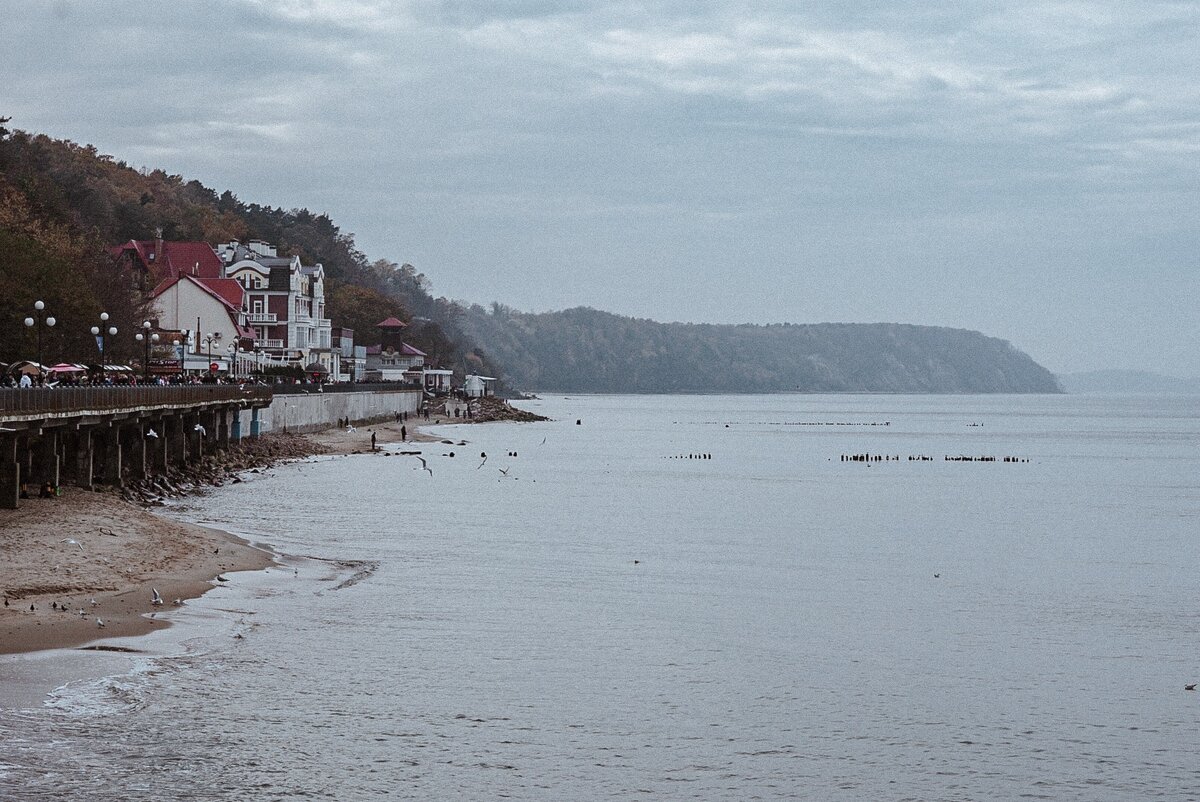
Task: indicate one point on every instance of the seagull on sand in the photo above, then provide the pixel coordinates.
(71, 542)
(221, 578)
(155, 599)
(100, 623)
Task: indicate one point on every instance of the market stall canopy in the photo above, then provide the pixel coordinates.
(25, 366)
(316, 367)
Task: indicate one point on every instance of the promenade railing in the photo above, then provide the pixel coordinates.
(61, 400)
(348, 387)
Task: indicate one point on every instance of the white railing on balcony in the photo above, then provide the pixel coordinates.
(324, 323)
(268, 343)
(263, 317)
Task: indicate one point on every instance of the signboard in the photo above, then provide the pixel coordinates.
(166, 366)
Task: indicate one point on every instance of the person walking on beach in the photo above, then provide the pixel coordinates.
(404, 433)
(372, 441)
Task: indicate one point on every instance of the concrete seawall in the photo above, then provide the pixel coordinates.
(313, 411)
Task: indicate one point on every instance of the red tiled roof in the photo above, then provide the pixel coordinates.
(405, 349)
(225, 290)
(229, 289)
(178, 258)
(391, 323)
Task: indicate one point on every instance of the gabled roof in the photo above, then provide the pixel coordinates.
(225, 290)
(232, 292)
(404, 350)
(391, 323)
(178, 258)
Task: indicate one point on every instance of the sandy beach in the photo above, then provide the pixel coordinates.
(62, 554)
(84, 557)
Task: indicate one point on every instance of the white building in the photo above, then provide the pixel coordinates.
(285, 303)
(210, 315)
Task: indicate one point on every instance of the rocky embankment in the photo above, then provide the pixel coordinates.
(221, 467)
(491, 408)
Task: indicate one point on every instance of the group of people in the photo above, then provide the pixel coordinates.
(29, 380)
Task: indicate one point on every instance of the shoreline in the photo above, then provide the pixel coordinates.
(110, 546)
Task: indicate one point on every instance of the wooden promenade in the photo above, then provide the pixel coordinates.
(113, 435)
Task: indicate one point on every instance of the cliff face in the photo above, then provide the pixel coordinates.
(583, 350)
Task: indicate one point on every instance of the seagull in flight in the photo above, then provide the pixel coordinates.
(484, 455)
(71, 542)
(151, 433)
(156, 599)
(201, 429)
(424, 464)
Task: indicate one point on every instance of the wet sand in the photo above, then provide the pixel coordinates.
(121, 552)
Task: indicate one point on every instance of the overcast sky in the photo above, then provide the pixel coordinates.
(1027, 169)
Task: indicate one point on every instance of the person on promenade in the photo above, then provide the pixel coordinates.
(25, 381)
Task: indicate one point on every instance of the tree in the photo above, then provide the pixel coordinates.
(361, 309)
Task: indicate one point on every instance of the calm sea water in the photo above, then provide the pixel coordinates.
(601, 616)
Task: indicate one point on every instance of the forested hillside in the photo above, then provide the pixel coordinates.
(62, 204)
(583, 350)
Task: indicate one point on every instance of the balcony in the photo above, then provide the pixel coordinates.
(263, 317)
(268, 343)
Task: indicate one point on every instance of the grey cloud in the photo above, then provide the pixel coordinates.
(989, 165)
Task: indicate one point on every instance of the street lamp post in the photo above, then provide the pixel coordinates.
(179, 353)
(209, 339)
(41, 319)
(146, 338)
(103, 333)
